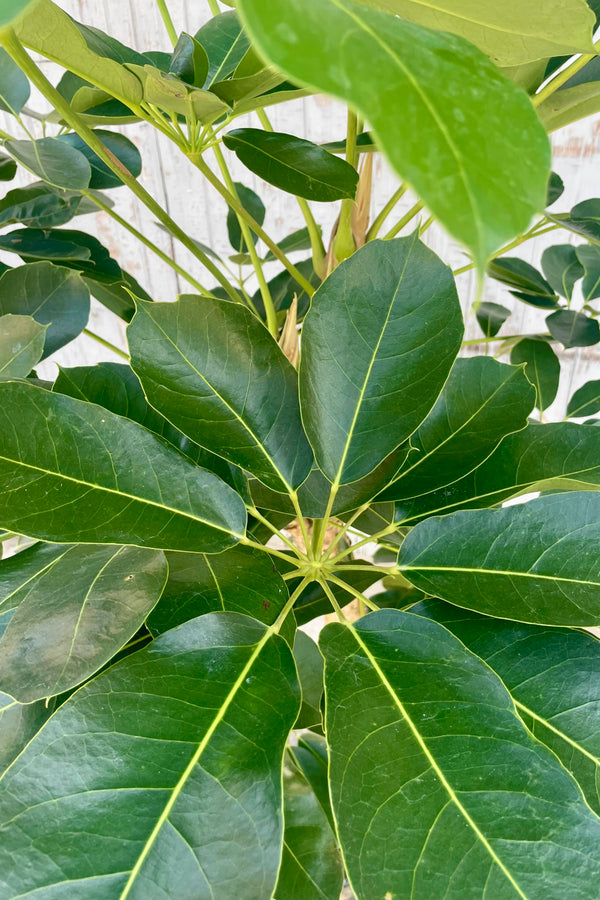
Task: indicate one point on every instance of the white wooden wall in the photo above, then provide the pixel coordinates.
(195, 206)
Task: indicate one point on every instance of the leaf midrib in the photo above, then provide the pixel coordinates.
(502, 572)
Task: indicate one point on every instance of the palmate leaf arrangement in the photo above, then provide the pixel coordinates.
(445, 743)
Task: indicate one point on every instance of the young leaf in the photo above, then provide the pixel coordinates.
(529, 284)
(14, 86)
(120, 146)
(55, 296)
(534, 562)
(482, 401)
(213, 370)
(427, 736)
(72, 471)
(480, 130)
(585, 401)
(293, 164)
(541, 367)
(553, 676)
(189, 61)
(573, 329)
(225, 43)
(75, 615)
(491, 317)
(252, 204)
(199, 744)
(13, 10)
(562, 268)
(395, 304)
(21, 345)
(510, 33)
(53, 161)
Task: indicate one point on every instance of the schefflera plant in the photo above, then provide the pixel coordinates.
(453, 751)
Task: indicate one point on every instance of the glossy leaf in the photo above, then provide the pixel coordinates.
(562, 268)
(556, 188)
(553, 677)
(311, 757)
(189, 61)
(120, 146)
(8, 168)
(214, 371)
(585, 401)
(309, 664)
(534, 562)
(39, 206)
(75, 615)
(479, 129)
(53, 161)
(511, 33)
(589, 258)
(297, 240)
(293, 164)
(426, 735)
(73, 471)
(357, 407)
(482, 401)
(18, 724)
(14, 86)
(225, 43)
(197, 782)
(175, 97)
(284, 288)
(55, 296)
(252, 204)
(527, 283)
(573, 329)
(491, 317)
(583, 219)
(311, 863)
(21, 345)
(541, 367)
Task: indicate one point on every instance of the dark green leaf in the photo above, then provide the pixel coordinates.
(585, 401)
(556, 188)
(534, 562)
(189, 61)
(311, 863)
(72, 471)
(541, 367)
(8, 168)
(297, 240)
(479, 128)
(35, 243)
(183, 747)
(309, 664)
(213, 370)
(39, 206)
(14, 86)
(53, 161)
(589, 257)
(529, 284)
(404, 333)
(311, 757)
(75, 615)
(121, 147)
(553, 676)
(225, 43)
(293, 164)
(573, 329)
(55, 296)
(284, 287)
(364, 141)
(482, 401)
(491, 317)
(18, 724)
(21, 345)
(583, 219)
(252, 204)
(562, 268)
(426, 736)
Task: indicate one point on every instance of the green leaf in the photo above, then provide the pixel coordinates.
(480, 130)
(21, 345)
(214, 371)
(72, 471)
(199, 743)
(531, 287)
(225, 43)
(18, 724)
(510, 34)
(556, 188)
(357, 407)
(311, 757)
(53, 161)
(237, 90)
(562, 267)
(311, 863)
(293, 164)
(309, 664)
(552, 675)
(189, 61)
(252, 204)
(534, 562)
(573, 329)
(297, 240)
(38, 205)
(14, 86)
(240, 580)
(284, 287)
(585, 401)
(482, 401)
(589, 258)
(75, 615)
(561, 456)
(567, 106)
(13, 10)
(55, 296)
(121, 147)
(541, 367)
(426, 737)
(491, 317)
(8, 168)
(583, 219)
(37, 243)
(175, 97)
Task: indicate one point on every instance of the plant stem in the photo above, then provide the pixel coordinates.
(146, 241)
(345, 528)
(331, 597)
(370, 539)
(247, 542)
(105, 343)
(214, 7)
(412, 212)
(168, 21)
(355, 593)
(237, 207)
(538, 229)
(15, 49)
(382, 216)
(275, 531)
(506, 337)
(305, 536)
(563, 76)
(344, 244)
